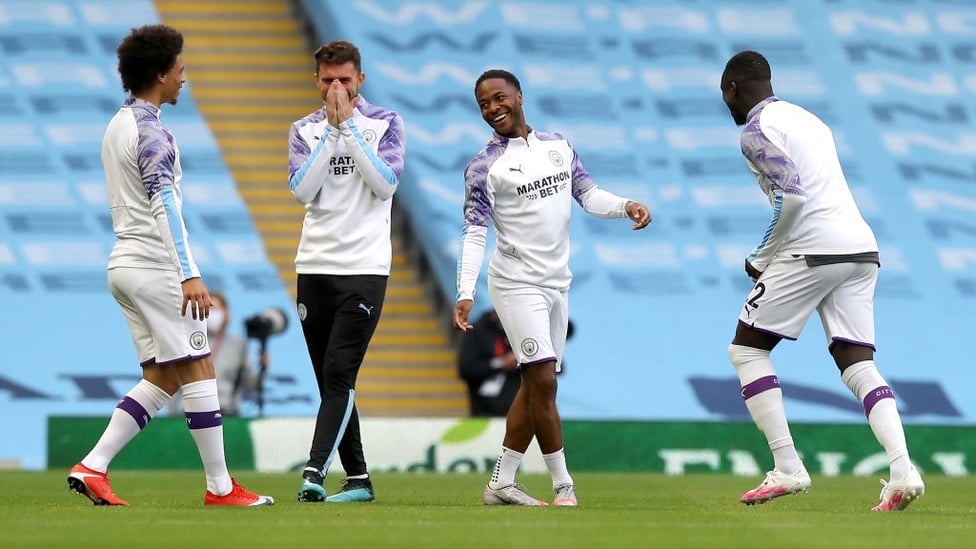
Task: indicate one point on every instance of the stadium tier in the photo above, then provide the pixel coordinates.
(65, 345)
(635, 87)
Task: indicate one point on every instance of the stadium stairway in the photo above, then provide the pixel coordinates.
(250, 72)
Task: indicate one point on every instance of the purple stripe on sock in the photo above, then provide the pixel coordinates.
(760, 385)
(203, 420)
(875, 396)
(130, 406)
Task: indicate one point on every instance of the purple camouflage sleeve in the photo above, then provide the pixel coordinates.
(393, 144)
(157, 153)
(299, 149)
(581, 178)
(477, 205)
(769, 159)
(392, 147)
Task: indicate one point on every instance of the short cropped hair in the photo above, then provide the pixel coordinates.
(338, 52)
(498, 73)
(146, 53)
(748, 65)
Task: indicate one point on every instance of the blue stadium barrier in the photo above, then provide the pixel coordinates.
(634, 86)
(66, 348)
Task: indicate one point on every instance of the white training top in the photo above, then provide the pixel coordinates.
(793, 156)
(525, 186)
(346, 178)
(142, 173)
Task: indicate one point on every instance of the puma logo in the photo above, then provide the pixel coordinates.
(518, 169)
(367, 308)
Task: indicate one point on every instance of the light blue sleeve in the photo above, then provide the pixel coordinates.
(156, 157)
(380, 170)
(308, 168)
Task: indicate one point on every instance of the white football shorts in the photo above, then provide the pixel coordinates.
(789, 291)
(151, 300)
(535, 320)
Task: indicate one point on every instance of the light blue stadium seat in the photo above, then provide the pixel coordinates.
(634, 86)
(58, 90)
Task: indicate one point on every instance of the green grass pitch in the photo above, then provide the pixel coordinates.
(434, 511)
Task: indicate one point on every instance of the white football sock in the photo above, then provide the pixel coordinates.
(505, 468)
(764, 400)
(872, 390)
(202, 411)
(130, 416)
(556, 462)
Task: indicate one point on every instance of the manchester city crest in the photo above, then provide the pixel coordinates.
(530, 347)
(302, 312)
(555, 158)
(369, 136)
(198, 340)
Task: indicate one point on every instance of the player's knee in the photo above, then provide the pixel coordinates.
(544, 383)
(338, 386)
(740, 355)
(164, 377)
(540, 379)
(847, 354)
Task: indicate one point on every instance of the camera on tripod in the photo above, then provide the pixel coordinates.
(269, 322)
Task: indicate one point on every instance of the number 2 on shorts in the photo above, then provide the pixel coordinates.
(759, 290)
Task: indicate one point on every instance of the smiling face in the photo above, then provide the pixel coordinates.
(172, 82)
(347, 75)
(501, 107)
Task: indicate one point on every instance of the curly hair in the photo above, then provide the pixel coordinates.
(338, 52)
(146, 53)
(498, 73)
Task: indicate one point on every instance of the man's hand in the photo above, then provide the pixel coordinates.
(753, 273)
(638, 213)
(332, 103)
(196, 296)
(343, 108)
(460, 316)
